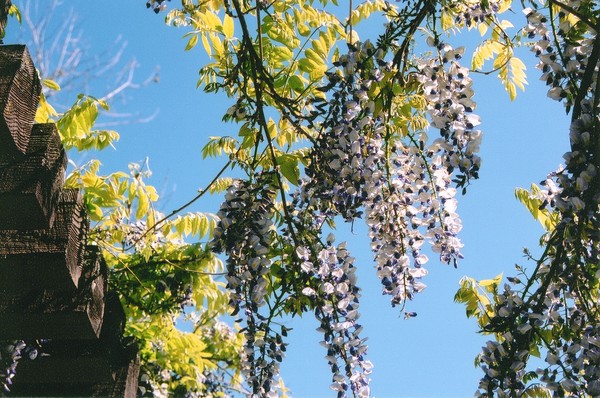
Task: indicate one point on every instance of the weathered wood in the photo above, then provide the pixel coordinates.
(114, 319)
(30, 185)
(19, 97)
(53, 287)
(93, 285)
(89, 374)
(71, 324)
(68, 362)
(125, 357)
(105, 367)
(51, 258)
(50, 314)
(126, 378)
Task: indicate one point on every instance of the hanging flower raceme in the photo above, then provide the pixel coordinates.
(347, 158)
(245, 233)
(416, 206)
(559, 302)
(326, 276)
(402, 182)
(563, 53)
(336, 296)
(447, 88)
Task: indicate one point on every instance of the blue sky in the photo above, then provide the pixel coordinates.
(428, 356)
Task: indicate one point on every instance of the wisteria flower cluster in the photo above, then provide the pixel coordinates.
(416, 206)
(447, 87)
(361, 164)
(348, 157)
(11, 352)
(470, 13)
(328, 280)
(337, 300)
(563, 63)
(403, 183)
(245, 233)
(554, 305)
(368, 160)
(570, 69)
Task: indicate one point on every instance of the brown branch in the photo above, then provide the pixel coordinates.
(200, 194)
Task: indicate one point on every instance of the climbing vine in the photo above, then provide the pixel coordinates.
(337, 128)
(331, 128)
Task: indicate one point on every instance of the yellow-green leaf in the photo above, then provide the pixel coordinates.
(228, 26)
(272, 128)
(192, 42)
(288, 165)
(206, 45)
(51, 84)
(143, 204)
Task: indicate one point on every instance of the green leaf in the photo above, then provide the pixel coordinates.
(45, 113)
(228, 26)
(288, 165)
(14, 11)
(206, 45)
(143, 203)
(537, 391)
(51, 84)
(296, 84)
(534, 205)
(191, 42)
(271, 128)
(94, 211)
(491, 285)
(221, 185)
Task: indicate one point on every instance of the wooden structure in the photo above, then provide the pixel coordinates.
(53, 286)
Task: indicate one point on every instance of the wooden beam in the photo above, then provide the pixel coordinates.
(50, 314)
(19, 97)
(104, 367)
(50, 258)
(92, 373)
(30, 185)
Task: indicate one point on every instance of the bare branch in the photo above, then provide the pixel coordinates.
(61, 54)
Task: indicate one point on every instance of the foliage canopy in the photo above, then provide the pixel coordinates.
(332, 128)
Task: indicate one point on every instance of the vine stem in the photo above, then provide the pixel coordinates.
(587, 78)
(257, 67)
(351, 33)
(183, 207)
(571, 10)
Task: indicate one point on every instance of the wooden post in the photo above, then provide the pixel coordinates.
(105, 367)
(53, 286)
(19, 97)
(46, 313)
(30, 185)
(50, 258)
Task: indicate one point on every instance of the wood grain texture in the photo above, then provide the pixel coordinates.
(56, 255)
(53, 286)
(47, 313)
(82, 369)
(91, 373)
(30, 184)
(91, 368)
(19, 97)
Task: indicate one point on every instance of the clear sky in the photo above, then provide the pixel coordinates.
(428, 356)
